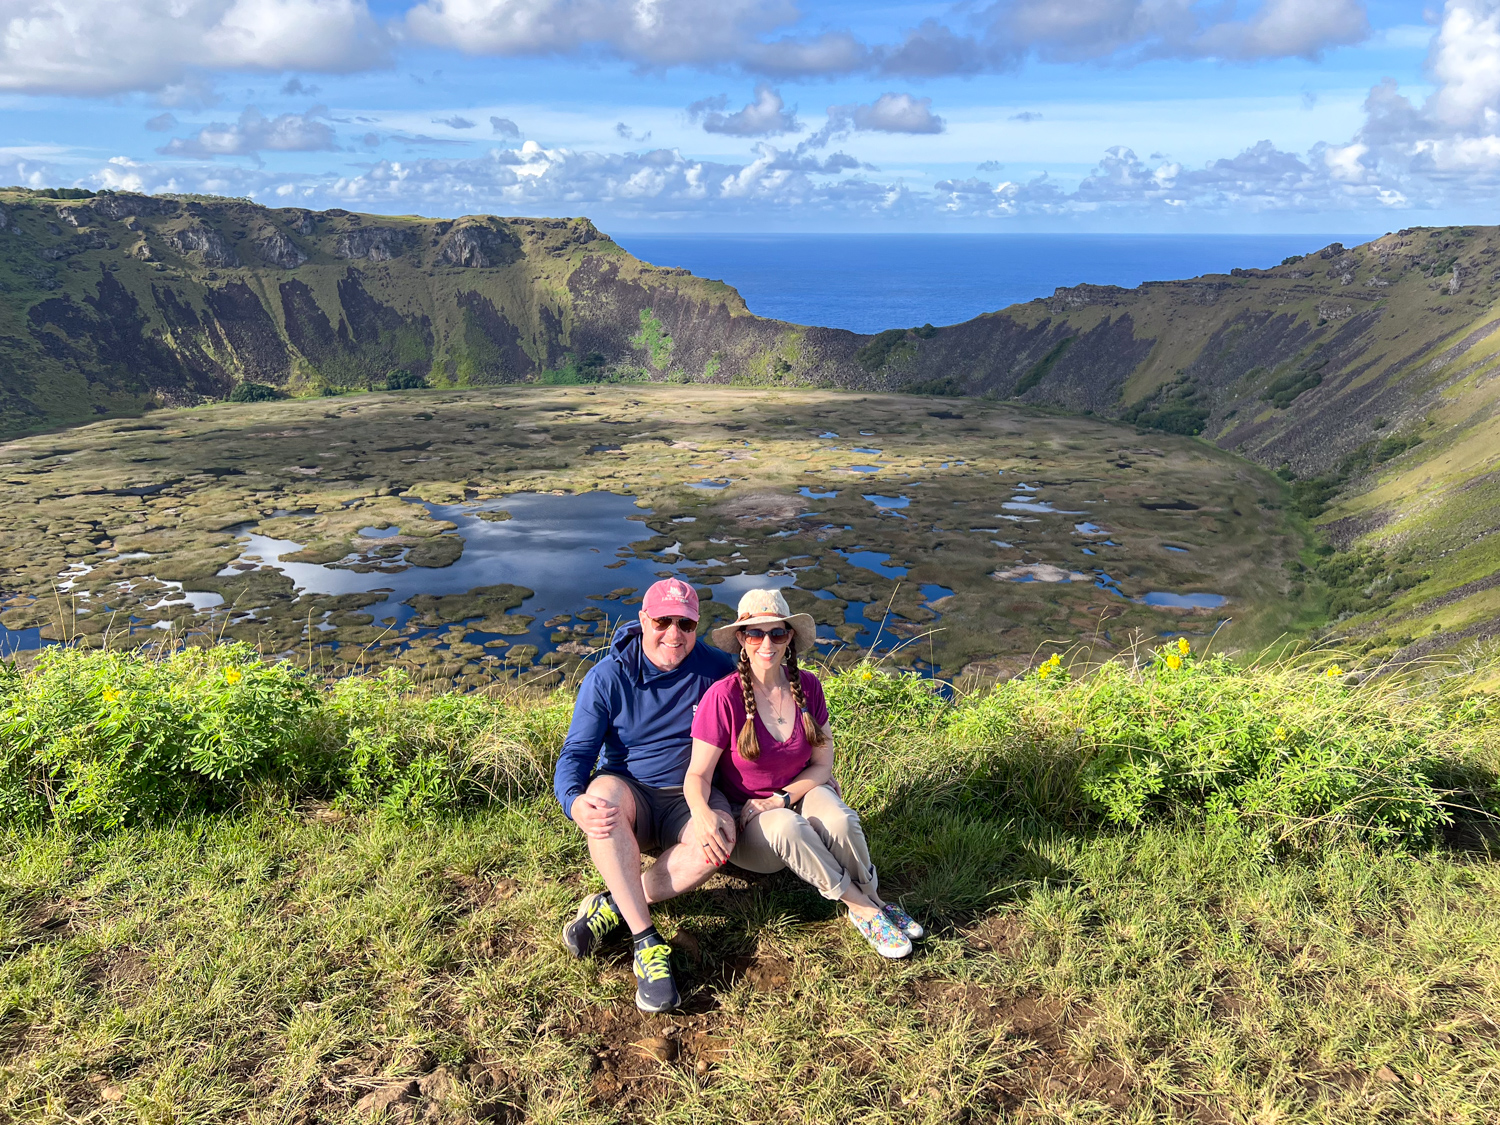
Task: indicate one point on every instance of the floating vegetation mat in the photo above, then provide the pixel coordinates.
(504, 532)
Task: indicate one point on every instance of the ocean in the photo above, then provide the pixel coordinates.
(867, 283)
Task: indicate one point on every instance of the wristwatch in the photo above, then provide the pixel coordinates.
(786, 798)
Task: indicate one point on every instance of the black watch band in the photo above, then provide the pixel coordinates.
(786, 798)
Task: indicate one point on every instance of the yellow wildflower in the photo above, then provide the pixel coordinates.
(867, 675)
(1333, 671)
(233, 676)
(1055, 660)
(1183, 646)
(1041, 673)
(1281, 734)
(1174, 662)
(111, 695)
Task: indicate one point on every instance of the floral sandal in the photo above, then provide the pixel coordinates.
(882, 936)
(903, 921)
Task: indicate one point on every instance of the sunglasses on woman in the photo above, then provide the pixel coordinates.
(778, 635)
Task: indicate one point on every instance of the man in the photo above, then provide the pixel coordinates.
(620, 780)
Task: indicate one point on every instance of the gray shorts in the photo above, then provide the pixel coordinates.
(662, 812)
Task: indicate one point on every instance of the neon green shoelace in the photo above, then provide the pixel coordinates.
(601, 921)
(655, 962)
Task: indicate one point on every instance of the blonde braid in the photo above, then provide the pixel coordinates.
(748, 745)
(811, 729)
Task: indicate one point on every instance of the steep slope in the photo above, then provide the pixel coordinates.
(114, 303)
(1298, 365)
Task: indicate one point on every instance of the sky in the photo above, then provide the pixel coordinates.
(775, 115)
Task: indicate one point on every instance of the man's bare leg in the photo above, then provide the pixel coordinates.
(679, 869)
(618, 856)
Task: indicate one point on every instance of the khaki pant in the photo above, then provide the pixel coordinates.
(819, 838)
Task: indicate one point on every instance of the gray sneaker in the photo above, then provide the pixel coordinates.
(655, 990)
(595, 920)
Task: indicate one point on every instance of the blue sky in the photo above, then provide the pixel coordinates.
(751, 115)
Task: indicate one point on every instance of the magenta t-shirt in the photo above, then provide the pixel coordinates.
(717, 721)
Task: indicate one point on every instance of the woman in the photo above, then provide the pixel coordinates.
(765, 727)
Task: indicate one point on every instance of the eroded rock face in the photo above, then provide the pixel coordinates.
(377, 244)
(280, 251)
(125, 205)
(206, 242)
(477, 247)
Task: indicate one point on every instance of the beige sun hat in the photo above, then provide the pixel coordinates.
(766, 607)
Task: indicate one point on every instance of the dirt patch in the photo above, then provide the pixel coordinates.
(633, 1054)
(1042, 1021)
(1004, 934)
(119, 970)
(45, 921)
(475, 891)
(1040, 1029)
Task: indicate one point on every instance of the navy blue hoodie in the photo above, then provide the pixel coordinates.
(632, 718)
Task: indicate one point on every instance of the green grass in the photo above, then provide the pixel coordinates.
(1192, 955)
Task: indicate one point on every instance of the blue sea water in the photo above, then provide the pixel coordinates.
(870, 282)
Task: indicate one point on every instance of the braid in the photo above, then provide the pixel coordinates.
(811, 729)
(748, 745)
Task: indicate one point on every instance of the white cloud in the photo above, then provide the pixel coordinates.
(454, 122)
(1132, 29)
(766, 116)
(889, 113)
(657, 33)
(1439, 151)
(161, 123)
(505, 127)
(253, 133)
(92, 47)
(1450, 144)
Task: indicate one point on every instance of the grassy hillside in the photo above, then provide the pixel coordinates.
(1166, 889)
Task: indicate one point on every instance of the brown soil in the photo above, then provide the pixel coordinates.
(1000, 933)
(1041, 1030)
(632, 1052)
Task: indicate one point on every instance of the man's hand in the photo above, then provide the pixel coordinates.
(753, 809)
(715, 834)
(595, 816)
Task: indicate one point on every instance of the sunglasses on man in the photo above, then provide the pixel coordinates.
(686, 624)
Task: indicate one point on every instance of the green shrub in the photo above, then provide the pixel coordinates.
(104, 739)
(1291, 751)
(403, 380)
(253, 392)
(1281, 392)
(1178, 407)
(654, 339)
(882, 348)
(110, 738)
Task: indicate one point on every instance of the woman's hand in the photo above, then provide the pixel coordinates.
(715, 836)
(754, 808)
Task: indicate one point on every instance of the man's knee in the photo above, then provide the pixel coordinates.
(616, 792)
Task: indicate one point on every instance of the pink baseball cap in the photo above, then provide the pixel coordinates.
(671, 597)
